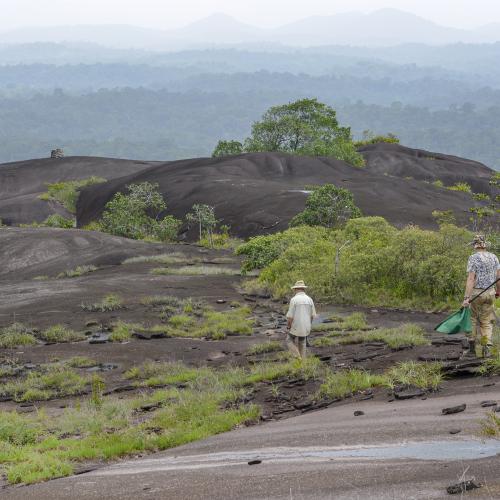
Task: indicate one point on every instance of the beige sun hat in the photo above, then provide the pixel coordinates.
(299, 284)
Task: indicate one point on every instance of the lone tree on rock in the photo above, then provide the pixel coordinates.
(304, 127)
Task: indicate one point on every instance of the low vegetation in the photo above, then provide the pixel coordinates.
(122, 332)
(368, 262)
(16, 335)
(77, 271)
(197, 271)
(410, 373)
(348, 382)
(264, 348)
(407, 373)
(60, 334)
(111, 302)
(138, 215)
(491, 425)
(165, 258)
(48, 382)
(67, 192)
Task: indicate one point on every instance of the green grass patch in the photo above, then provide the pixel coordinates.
(165, 258)
(154, 374)
(60, 334)
(50, 382)
(201, 270)
(405, 335)
(264, 348)
(162, 300)
(410, 373)
(81, 362)
(111, 302)
(122, 331)
(354, 322)
(16, 335)
(67, 192)
(78, 271)
(348, 382)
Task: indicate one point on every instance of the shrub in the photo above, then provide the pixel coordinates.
(57, 220)
(327, 206)
(370, 138)
(380, 265)
(136, 215)
(438, 183)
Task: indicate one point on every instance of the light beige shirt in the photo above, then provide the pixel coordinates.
(302, 311)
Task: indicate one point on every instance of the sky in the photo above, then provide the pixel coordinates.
(168, 14)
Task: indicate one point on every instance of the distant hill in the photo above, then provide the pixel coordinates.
(378, 28)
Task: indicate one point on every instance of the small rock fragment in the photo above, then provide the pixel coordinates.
(454, 409)
(220, 301)
(254, 462)
(358, 413)
(455, 431)
(487, 404)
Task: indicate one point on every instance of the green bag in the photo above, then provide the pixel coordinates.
(456, 323)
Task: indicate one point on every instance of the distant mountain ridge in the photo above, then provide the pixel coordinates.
(379, 28)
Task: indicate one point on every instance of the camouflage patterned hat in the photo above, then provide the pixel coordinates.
(479, 241)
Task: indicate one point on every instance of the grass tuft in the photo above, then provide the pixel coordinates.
(78, 271)
(197, 271)
(60, 334)
(410, 373)
(266, 347)
(111, 302)
(348, 382)
(16, 335)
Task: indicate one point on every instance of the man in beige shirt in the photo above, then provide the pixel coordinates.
(299, 320)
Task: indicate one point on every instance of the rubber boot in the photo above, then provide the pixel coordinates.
(471, 352)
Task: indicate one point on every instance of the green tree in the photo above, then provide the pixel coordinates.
(227, 148)
(327, 206)
(204, 217)
(303, 127)
(137, 215)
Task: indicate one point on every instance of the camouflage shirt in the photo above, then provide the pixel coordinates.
(484, 265)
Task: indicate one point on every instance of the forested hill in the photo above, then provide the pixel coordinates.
(94, 100)
(162, 125)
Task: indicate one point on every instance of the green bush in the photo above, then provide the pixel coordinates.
(137, 215)
(327, 206)
(460, 186)
(57, 220)
(370, 138)
(379, 264)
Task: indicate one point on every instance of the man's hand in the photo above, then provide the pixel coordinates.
(466, 303)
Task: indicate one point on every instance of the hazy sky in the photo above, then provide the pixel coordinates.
(174, 13)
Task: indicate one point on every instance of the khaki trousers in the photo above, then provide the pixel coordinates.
(483, 316)
(296, 345)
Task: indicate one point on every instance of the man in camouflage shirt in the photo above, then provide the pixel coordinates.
(483, 269)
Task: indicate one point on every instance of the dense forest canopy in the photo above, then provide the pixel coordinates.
(137, 104)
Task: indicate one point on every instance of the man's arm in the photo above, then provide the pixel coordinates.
(471, 279)
(290, 314)
(498, 283)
